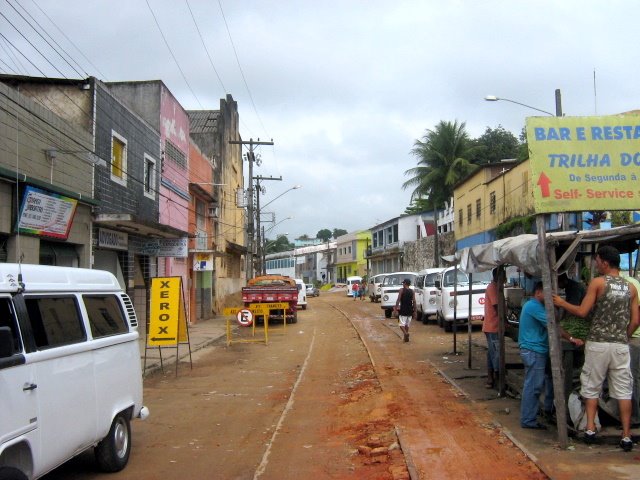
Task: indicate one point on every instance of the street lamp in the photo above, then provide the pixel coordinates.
(295, 187)
(493, 98)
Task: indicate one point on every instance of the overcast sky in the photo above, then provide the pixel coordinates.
(344, 88)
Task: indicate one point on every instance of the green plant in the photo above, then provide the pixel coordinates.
(515, 226)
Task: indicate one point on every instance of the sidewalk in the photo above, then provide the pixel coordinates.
(578, 461)
(201, 335)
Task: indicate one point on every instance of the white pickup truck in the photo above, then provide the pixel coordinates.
(453, 296)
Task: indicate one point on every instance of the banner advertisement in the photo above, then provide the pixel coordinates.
(46, 213)
(584, 163)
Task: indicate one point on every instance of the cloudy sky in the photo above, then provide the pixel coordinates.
(344, 88)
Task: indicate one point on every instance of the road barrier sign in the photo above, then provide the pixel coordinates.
(245, 317)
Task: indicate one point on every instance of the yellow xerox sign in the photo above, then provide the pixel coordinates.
(585, 163)
(167, 316)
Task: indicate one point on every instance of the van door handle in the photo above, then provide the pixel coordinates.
(29, 386)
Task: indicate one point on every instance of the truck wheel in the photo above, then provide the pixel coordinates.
(387, 313)
(10, 473)
(112, 453)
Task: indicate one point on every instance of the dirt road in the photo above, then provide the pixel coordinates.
(337, 395)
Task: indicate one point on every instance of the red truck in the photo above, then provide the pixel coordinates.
(273, 289)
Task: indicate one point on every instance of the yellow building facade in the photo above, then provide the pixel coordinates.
(490, 197)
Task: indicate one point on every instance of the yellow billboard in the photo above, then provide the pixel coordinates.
(584, 163)
(167, 316)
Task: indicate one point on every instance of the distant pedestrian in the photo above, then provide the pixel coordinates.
(406, 307)
(362, 291)
(355, 288)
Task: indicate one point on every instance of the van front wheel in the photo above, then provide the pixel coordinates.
(112, 453)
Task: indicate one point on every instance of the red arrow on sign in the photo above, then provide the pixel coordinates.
(544, 182)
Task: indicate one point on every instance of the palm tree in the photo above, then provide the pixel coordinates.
(443, 159)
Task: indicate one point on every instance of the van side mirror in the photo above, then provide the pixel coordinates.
(6, 342)
(437, 284)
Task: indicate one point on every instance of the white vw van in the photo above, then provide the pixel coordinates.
(453, 297)
(70, 375)
(350, 282)
(426, 293)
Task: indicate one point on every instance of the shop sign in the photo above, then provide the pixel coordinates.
(45, 213)
(112, 239)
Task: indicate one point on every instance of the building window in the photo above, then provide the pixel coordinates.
(460, 217)
(375, 239)
(478, 208)
(469, 214)
(149, 176)
(172, 153)
(118, 158)
(395, 233)
(492, 203)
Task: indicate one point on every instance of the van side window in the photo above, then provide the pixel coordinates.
(55, 321)
(105, 315)
(8, 319)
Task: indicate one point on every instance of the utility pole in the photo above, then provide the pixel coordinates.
(259, 246)
(251, 157)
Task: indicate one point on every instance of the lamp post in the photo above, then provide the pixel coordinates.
(554, 339)
(493, 98)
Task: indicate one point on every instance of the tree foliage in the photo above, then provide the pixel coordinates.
(280, 244)
(494, 145)
(324, 234)
(337, 232)
(444, 157)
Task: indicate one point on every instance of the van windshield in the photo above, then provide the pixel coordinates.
(479, 277)
(391, 280)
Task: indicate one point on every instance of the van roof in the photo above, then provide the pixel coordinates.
(44, 278)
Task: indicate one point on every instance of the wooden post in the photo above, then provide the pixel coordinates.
(555, 350)
(502, 381)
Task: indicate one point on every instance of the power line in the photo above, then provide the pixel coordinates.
(253, 104)
(205, 47)
(172, 55)
(43, 38)
(69, 40)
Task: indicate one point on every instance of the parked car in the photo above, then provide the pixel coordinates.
(374, 287)
(312, 290)
(453, 297)
(302, 294)
(391, 285)
(426, 293)
(69, 369)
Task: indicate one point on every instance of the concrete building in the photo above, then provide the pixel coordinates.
(351, 255)
(390, 237)
(212, 131)
(46, 187)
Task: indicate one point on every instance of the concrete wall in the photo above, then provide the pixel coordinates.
(419, 255)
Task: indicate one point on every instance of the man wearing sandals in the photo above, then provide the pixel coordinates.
(614, 319)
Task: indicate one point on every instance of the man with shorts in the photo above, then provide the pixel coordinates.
(614, 319)
(406, 307)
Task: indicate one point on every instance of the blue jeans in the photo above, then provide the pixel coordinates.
(493, 351)
(534, 380)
